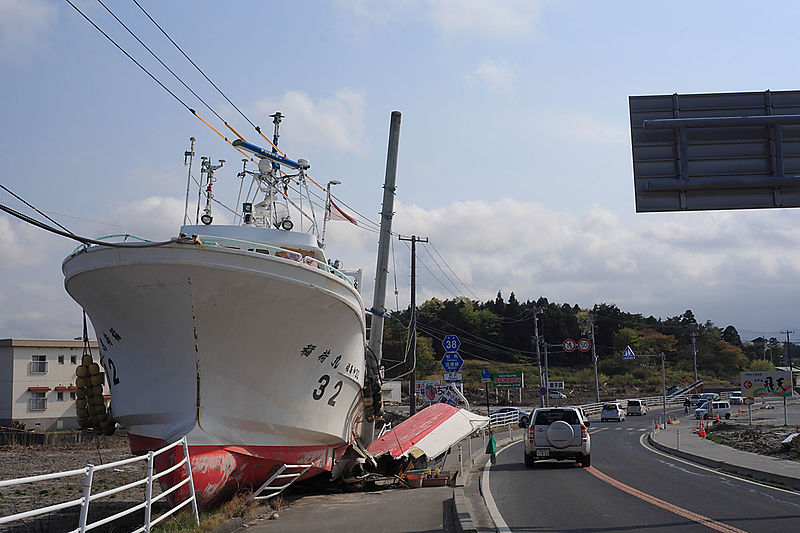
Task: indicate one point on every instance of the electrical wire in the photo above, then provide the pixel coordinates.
(451, 270)
(12, 193)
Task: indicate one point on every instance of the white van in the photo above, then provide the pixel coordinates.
(721, 409)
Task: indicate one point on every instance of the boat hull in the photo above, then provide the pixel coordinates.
(234, 349)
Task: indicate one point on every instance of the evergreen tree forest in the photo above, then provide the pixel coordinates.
(502, 331)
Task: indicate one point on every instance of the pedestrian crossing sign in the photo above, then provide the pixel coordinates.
(628, 353)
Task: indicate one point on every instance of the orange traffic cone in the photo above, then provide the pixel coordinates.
(677, 420)
(669, 421)
(655, 423)
(717, 419)
(740, 410)
(702, 432)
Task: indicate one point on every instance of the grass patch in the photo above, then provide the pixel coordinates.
(715, 438)
(209, 520)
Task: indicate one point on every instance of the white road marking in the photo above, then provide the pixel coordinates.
(707, 469)
(494, 512)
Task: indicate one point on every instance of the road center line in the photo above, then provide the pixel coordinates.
(592, 432)
(680, 511)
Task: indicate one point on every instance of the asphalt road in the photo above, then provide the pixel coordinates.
(631, 488)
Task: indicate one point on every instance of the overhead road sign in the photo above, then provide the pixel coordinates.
(568, 345)
(628, 353)
(452, 362)
(696, 152)
(451, 343)
(584, 345)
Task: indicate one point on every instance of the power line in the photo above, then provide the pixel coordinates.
(453, 271)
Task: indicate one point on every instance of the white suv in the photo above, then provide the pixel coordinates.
(636, 407)
(721, 409)
(557, 433)
(612, 411)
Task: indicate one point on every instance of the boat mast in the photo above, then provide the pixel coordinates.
(381, 270)
(188, 157)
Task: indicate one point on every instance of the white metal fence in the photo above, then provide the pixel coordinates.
(88, 472)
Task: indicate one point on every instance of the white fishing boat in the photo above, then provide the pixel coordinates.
(245, 337)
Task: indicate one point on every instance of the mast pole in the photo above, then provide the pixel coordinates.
(382, 267)
(188, 157)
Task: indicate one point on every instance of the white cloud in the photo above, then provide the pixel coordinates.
(660, 265)
(156, 217)
(22, 245)
(590, 129)
(506, 19)
(497, 76)
(335, 122)
(22, 24)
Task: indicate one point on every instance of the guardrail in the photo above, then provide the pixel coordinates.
(84, 501)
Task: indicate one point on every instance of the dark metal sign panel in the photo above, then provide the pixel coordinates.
(695, 152)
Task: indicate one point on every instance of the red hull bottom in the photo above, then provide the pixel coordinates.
(220, 471)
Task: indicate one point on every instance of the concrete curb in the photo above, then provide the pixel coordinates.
(731, 468)
(463, 520)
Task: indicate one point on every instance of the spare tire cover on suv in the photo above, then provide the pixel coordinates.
(560, 434)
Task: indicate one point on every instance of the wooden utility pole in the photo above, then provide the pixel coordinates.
(412, 328)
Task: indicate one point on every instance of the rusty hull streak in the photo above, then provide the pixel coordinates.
(197, 355)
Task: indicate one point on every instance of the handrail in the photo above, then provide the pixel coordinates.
(125, 235)
(211, 240)
(88, 473)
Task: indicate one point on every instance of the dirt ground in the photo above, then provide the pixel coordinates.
(22, 461)
(761, 439)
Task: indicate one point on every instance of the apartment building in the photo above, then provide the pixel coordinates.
(37, 382)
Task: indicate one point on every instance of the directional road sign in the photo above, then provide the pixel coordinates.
(452, 361)
(451, 343)
(584, 345)
(453, 377)
(628, 353)
(569, 345)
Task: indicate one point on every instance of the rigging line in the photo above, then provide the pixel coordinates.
(440, 267)
(86, 240)
(12, 193)
(130, 57)
(176, 97)
(257, 128)
(451, 270)
(165, 65)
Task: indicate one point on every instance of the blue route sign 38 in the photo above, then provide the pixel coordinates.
(451, 343)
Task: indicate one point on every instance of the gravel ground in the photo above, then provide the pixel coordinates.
(23, 461)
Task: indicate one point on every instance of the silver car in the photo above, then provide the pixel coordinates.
(558, 433)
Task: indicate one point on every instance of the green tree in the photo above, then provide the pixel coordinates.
(760, 365)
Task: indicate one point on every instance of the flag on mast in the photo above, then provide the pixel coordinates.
(334, 212)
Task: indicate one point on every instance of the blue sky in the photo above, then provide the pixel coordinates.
(514, 153)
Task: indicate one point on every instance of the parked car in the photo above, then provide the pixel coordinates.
(506, 413)
(557, 395)
(736, 398)
(636, 407)
(558, 433)
(721, 409)
(612, 411)
(695, 400)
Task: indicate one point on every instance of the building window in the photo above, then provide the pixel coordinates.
(60, 359)
(60, 396)
(38, 364)
(37, 401)
(73, 359)
(72, 395)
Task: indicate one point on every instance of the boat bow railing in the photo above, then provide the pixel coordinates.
(266, 249)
